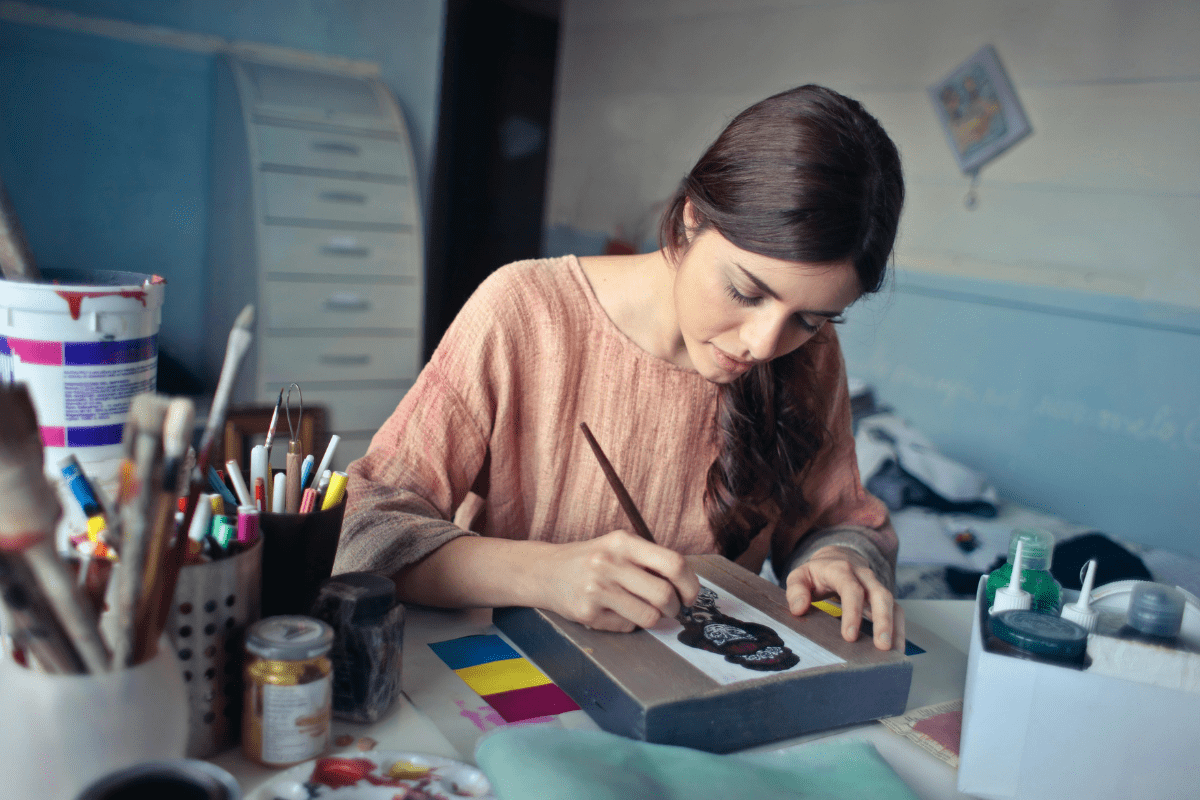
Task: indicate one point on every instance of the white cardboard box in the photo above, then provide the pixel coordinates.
(1035, 731)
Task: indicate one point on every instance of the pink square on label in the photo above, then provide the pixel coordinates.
(52, 436)
(29, 351)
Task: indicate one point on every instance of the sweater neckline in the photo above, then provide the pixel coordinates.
(605, 323)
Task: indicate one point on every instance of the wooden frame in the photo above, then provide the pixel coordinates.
(634, 685)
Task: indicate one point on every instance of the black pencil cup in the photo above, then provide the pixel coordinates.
(298, 551)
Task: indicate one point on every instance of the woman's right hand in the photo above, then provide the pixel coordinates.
(617, 582)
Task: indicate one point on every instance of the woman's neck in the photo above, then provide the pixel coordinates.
(637, 294)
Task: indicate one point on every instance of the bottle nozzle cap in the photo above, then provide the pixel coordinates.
(1013, 597)
(1080, 612)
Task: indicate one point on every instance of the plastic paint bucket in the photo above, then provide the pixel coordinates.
(84, 342)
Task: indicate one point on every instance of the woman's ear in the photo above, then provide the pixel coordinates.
(689, 219)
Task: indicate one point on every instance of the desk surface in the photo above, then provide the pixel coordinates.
(440, 715)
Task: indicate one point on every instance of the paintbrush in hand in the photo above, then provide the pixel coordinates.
(635, 518)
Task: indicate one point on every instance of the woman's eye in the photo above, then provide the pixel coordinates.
(740, 298)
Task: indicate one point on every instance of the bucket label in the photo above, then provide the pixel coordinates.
(82, 389)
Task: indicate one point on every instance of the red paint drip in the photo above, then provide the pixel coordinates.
(75, 299)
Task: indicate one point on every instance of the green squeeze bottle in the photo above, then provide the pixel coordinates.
(1037, 545)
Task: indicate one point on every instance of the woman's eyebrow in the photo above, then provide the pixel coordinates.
(767, 290)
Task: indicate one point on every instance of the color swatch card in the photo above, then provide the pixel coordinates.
(510, 684)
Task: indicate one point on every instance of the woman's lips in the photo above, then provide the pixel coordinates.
(728, 362)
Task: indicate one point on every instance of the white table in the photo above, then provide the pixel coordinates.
(440, 715)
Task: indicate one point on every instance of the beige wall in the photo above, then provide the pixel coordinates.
(1103, 196)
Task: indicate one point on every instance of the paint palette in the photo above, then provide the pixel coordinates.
(379, 776)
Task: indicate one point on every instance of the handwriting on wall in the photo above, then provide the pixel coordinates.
(1170, 427)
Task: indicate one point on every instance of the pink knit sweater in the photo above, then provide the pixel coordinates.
(530, 356)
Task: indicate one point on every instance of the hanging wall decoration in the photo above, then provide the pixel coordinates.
(979, 111)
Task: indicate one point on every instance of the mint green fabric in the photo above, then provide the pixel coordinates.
(545, 763)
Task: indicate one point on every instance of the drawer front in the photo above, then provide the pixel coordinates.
(283, 359)
(353, 412)
(342, 305)
(342, 151)
(317, 252)
(335, 199)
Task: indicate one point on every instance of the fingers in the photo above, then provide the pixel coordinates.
(860, 591)
(623, 581)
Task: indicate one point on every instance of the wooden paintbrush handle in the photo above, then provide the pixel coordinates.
(291, 501)
(635, 518)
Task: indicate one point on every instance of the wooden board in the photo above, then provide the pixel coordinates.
(635, 685)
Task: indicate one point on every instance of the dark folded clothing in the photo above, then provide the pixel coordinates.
(1113, 562)
(897, 488)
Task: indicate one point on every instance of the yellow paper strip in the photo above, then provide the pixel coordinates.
(502, 676)
(828, 608)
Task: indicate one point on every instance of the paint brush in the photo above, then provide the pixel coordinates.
(635, 518)
(142, 485)
(161, 570)
(50, 616)
(235, 351)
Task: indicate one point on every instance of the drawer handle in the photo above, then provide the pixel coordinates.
(344, 360)
(346, 301)
(343, 148)
(343, 197)
(345, 246)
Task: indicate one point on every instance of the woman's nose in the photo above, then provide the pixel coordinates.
(762, 336)
(769, 337)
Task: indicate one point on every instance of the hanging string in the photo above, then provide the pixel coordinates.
(972, 197)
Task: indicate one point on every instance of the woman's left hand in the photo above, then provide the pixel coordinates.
(843, 572)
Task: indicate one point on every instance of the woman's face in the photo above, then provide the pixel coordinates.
(736, 308)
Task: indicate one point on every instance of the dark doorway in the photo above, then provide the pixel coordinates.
(493, 136)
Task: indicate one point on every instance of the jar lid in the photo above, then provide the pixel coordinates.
(370, 595)
(1041, 634)
(1038, 547)
(289, 638)
(1156, 609)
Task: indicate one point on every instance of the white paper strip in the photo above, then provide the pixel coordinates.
(738, 627)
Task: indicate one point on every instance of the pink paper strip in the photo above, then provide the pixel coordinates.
(534, 701)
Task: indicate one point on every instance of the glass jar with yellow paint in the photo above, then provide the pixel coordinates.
(289, 683)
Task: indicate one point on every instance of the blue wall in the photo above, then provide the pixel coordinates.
(104, 144)
(104, 150)
(1082, 405)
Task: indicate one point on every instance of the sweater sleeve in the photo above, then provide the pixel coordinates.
(842, 512)
(422, 462)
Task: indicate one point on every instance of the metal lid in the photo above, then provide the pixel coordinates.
(1042, 634)
(1038, 547)
(1156, 609)
(289, 638)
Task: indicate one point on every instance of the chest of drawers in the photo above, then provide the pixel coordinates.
(315, 220)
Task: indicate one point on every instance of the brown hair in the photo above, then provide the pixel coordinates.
(805, 175)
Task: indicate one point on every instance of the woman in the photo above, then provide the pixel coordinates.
(707, 370)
